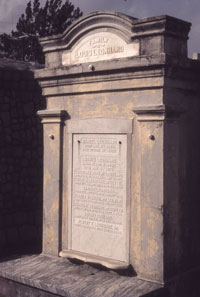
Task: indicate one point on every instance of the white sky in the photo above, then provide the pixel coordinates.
(189, 10)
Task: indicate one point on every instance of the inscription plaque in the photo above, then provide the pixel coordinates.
(100, 46)
(99, 216)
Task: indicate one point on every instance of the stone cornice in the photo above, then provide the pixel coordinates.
(129, 28)
(121, 65)
(157, 113)
(52, 116)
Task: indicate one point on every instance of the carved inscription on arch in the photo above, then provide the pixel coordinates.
(99, 194)
(100, 46)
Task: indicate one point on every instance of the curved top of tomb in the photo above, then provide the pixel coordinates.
(98, 21)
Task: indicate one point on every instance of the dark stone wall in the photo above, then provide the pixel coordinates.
(21, 154)
(182, 172)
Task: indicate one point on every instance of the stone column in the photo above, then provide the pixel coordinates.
(52, 121)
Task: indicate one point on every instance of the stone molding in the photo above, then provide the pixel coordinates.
(52, 116)
(157, 113)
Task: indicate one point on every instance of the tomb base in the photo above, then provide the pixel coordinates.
(45, 276)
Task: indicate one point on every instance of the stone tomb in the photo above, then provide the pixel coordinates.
(120, 152)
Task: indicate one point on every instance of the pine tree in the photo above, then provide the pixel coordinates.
(53, 18)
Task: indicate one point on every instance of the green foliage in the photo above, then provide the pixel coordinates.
(53, 18)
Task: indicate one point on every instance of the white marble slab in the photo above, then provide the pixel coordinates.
(100, 46)
(99, 195)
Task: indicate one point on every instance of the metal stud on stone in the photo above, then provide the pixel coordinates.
(91, 67)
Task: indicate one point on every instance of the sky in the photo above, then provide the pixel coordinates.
(188, 10)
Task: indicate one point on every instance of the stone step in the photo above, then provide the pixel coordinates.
(44, 276)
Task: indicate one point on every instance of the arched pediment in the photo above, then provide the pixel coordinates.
(114, 22)
(105, 35)
(97, 36)
(117, 23)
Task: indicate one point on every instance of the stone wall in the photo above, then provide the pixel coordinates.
(21, 150)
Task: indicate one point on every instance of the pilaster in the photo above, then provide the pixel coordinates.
(150, 189)
(52, 121)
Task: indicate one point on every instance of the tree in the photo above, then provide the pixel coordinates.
(53, 18)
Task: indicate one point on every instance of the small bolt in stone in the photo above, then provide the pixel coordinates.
(91, 67)
(152, 137)
(51, 136)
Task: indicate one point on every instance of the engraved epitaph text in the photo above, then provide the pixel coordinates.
(99, 195)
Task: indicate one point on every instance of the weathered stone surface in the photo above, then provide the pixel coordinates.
(45, 276)
(158, 91)
(145, 35)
